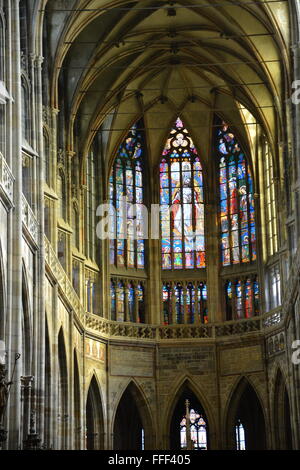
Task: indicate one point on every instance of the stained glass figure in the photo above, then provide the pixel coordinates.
(237, 213)
(126, 189)
(181, 202)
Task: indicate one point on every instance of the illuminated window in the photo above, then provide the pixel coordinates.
(198, 432)
(270, 206)
(181, 202)
(126, 190)
(238, 234)
(242, 298)
(240, 436)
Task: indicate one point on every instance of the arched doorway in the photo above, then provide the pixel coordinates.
(199, 426)
(132, 425)
(94, 418)
(282, 419)
(245, 426)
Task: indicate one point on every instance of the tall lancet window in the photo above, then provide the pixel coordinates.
(238, 234)
(181, 202)
(127, 196)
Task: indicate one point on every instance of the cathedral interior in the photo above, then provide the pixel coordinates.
(149, 224)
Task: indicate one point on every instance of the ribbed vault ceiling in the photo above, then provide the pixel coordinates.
(119, 60)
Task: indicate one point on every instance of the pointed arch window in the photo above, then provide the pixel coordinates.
(181, 202)
(125, 190)
(238, 233)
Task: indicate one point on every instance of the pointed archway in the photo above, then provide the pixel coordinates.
(94, 418)
(132, 424)
(244, 408)
(282, 414)
(47, 399)
(199, 420)
(62, 393)
(77, 404)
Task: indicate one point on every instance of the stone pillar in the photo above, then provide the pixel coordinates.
(14, 281)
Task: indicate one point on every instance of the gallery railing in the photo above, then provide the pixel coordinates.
(140, 331)
(6, 181)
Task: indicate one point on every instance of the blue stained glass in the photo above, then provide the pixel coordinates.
(164, 196)
(127, 179)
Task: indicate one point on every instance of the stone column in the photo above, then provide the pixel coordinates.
(14, 281)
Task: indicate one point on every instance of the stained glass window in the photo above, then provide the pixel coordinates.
(198, 431)
(180, 298)
(238, 233)
(131, 301)
(113, 301)
(275, 290)
(270, 206)
(181, 202)
(125, 190)
(179, 303)
(120, 302)
(167, 303)
(127, 301)
(240, 436)
(242, 298)
(141, 303)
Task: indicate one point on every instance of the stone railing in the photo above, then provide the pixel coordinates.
(142, 331)
(6, 180)
(64, 283)
(109, 328)
(29, 220)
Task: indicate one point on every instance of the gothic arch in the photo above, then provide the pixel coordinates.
(281, 413)
(47, 396)
(77, 402)
(94, 417)
(244, 403)
(62, 392)
(183, 384)
(27, 343)
(132, 412)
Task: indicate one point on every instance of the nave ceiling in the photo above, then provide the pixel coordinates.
(117, 61)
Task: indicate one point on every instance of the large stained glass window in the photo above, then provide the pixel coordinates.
(181, 202)
(242, 298)
(126, 190)
(238, 234)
